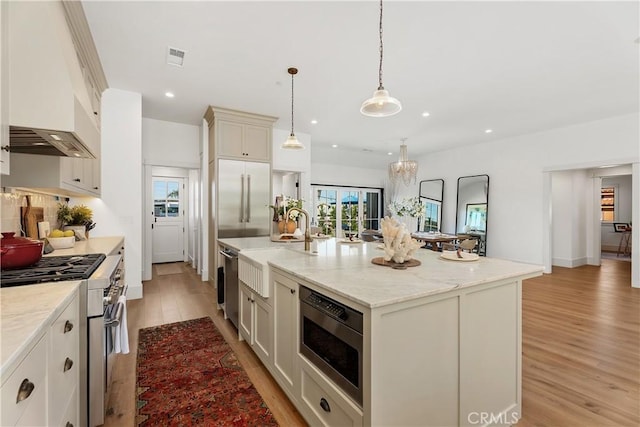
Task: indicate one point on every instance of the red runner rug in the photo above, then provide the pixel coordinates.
(188, 375)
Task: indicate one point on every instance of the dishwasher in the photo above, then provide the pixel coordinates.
(230, 284)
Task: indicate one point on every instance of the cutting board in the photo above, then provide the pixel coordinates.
(30, 216)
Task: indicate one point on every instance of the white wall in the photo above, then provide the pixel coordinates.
(515, 167)
(329, 174)
(170, 144)
(119, 210)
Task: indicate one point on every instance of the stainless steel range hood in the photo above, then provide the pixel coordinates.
(46, 142)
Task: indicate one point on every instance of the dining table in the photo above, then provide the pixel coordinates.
(435, 238)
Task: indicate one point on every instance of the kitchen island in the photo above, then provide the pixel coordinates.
(441, 342)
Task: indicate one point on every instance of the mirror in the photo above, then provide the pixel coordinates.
(431, 193)
(472, 209)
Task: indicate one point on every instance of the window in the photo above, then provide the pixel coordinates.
(608, 204)
(431, 215)
(350, 210)
(166, 198)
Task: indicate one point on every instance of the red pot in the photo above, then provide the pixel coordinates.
(18, 252)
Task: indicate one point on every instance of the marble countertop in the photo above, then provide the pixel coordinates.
(245, 243)
(346, 269)
(93, 245)
(27, 312)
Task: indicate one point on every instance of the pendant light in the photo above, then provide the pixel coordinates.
(404, 169)
(380, 104)
(292, 142)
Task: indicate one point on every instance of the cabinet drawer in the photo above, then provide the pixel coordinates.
(33, 408)
(323, 403)
(63, 360)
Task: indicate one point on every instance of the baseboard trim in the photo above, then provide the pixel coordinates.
(569, 263)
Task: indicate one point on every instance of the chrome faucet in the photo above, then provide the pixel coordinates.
(307, 229)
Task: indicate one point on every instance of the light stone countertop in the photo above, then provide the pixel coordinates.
(27, 312)
(346, 269)
(93, 245)
(245, 243)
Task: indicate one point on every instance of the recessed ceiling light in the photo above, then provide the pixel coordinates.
(314, 122)
(488, 130)
(169, 94)
(425, 114)
(335, 145)
(389, 153)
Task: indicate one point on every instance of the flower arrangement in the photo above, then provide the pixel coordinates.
(75, 215)
(411, 207)
(284, 205)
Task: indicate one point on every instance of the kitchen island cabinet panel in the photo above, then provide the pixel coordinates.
(285, 331)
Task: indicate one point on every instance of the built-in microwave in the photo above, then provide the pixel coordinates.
(331, 339)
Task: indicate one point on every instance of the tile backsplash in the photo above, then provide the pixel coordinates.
(10, 209)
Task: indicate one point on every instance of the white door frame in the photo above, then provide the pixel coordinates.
(547, 214)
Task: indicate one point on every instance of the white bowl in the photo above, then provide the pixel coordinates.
(62, 242)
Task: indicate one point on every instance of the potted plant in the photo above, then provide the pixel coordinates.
(77, 218)
(281, 209)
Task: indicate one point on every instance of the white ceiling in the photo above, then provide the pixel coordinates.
(514, 67)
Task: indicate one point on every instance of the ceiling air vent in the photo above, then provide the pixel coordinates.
(175, 56)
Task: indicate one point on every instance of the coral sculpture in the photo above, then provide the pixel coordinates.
(398, 244)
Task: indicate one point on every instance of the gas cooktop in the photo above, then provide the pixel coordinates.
(53, 269)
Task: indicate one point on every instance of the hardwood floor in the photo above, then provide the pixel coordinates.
(581, 346)
(171, 298)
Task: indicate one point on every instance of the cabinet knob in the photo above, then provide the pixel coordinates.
(76, 179)
(6, 148)
(68, 326)
(325, 405)
(95, 188)
(68, 363)
(293, 291)
(68, 424)
(248, 299)
(25, 389)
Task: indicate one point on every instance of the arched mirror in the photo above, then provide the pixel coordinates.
(472, 209)
(431, 192)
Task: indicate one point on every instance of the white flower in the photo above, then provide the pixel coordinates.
(411, 206)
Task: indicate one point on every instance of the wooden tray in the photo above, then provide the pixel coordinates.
(395, 265)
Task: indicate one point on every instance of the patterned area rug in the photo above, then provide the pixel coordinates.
(188, 375)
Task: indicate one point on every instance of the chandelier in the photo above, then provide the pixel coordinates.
(381, 104)
(404, 169)
(292, 142)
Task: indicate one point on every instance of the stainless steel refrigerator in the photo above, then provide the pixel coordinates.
(243, 198)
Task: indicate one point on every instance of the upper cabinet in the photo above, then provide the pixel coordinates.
(239, 135)
(52, 84)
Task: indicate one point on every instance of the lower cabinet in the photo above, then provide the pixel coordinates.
(285, 331)
(43, 389)
(255, 323)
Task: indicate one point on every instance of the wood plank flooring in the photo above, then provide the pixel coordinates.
(581, 346)
(172, 298)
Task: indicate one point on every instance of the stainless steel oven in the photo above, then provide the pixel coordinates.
(104, 313)
(331, 339)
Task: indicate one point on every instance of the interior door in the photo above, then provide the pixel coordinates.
(168, 226)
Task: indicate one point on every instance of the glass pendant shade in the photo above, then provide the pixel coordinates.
(380, 105)
(404, 169)
(292, 143)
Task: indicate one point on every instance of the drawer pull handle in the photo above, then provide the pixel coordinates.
(293, 291)
(68, 326)
(68, 424)
(325, 405)
(25, 390)
(68, 363)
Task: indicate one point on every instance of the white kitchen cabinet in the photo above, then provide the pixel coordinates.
(63, 363)
(244, 141)
(255, 323)
(48, 376)
(24, 393)
(57, 175)
(285, 332)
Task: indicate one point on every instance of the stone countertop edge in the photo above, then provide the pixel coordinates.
(22, 326)
(351, 282)
(93, 245)
(262, 242)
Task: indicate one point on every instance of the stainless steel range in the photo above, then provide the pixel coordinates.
(100, 312)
